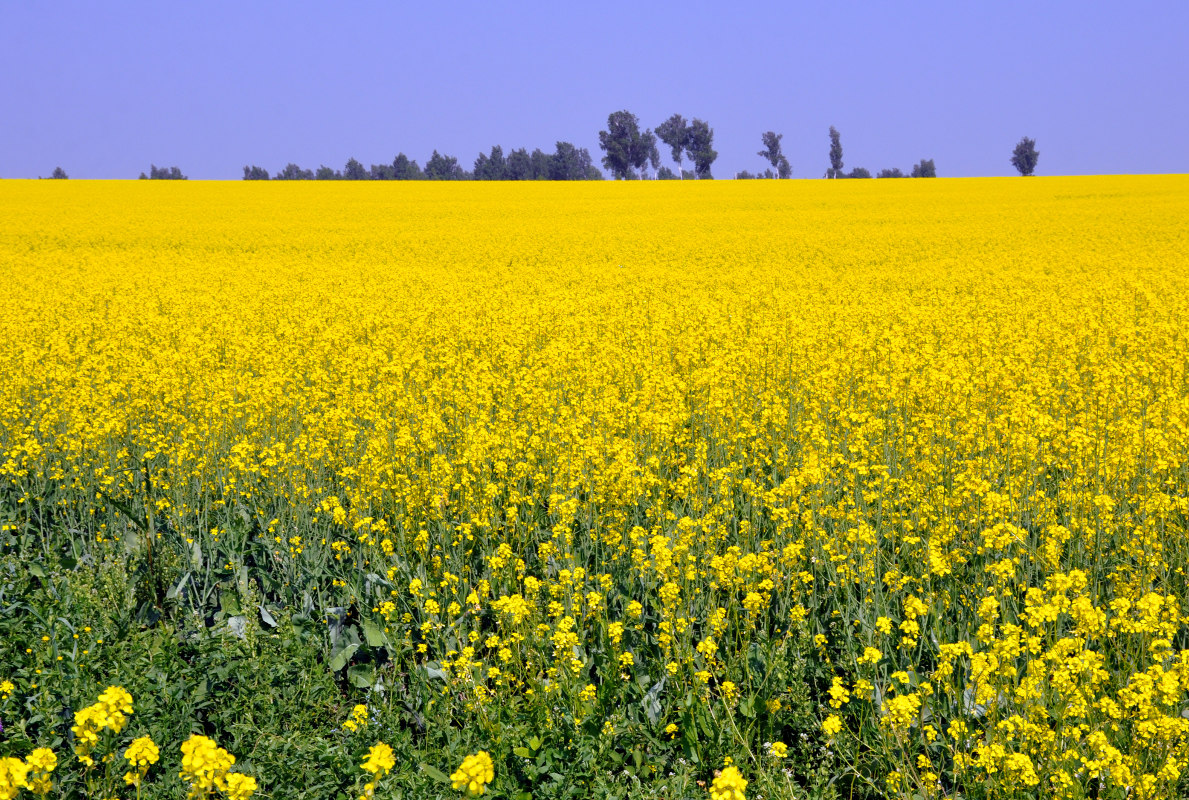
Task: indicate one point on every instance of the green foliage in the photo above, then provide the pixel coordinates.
(835, 170)
(627, 150)
(924, 169)
(1025, 156)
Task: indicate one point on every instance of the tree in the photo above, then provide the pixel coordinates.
(255, 173)
(443, 168)
(164, 174)
(520, 166)
(539, 165)
(1024, 157)
(326, 173)
(894, 172)
(699, 145)
(491, 167)
(405, 170)
(666, 174)
(771, 151)
(859, 172)
(59, 174)
(292, 172)
(354, 171)
(924, 169)
(835, 170)
(380, 172)
(626, 148)
(674, 133)
(569, 163)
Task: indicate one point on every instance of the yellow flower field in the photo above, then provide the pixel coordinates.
(894, 471)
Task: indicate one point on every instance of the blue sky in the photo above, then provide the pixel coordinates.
(103, 89)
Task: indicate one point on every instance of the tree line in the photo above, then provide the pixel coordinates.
(629, 153)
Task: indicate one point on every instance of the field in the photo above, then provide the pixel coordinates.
(872, 488)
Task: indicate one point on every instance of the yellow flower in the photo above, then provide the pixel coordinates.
(240, 787)
(358, 718)
(380, 760)
(13, 774)
(141, 754)
(779, 750)
(832, 725)
(729, 785)
(474, 774)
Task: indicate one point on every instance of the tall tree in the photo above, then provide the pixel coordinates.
(491, 167)
(626, 149)
(675, 133)
(699, 145)
(771, 151)
(443, 168)
(255, 173)
(59, 174)
(520, 166)
(835, 170)
(569, 163)
(539, 165)
(405, 170)
(1024, 157)
(354, 171)
(292, 172)
(326, 173)
(924, 169)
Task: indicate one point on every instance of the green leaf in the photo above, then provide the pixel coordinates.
(434, 773)
(362, 676)
(523, 752)
(37, 570)
(373, 634)
(340, 659)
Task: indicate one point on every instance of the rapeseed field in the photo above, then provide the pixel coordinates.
(832, 489)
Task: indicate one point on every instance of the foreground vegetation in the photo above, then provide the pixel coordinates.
(833, 489)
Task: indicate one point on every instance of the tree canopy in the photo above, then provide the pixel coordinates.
(1024, 156)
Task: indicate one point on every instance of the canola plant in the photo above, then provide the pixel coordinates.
(893, 471)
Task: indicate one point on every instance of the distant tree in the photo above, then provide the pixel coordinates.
(688, 175)
(1024, 157)
(771, 151)
(292, 172)
(745, 176)
(894, 172)
(859, 172)
(405, 170)
(835, 170)
(569, 163)
(381, 172)
(924, 169)
(165, 173)
(326, 173)
(354, 171)
(59, 174)
(666, 174)
(491, 167)
(443, 168)
(675, 133)
(626, 148)
(255, 173)
(699, 146)
(520, 166)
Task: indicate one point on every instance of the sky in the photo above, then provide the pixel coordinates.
(106, 89)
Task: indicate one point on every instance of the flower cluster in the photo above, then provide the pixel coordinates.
(205, 767)
(728, 785)
(474, 774)
(109, 713)
(140, 755)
